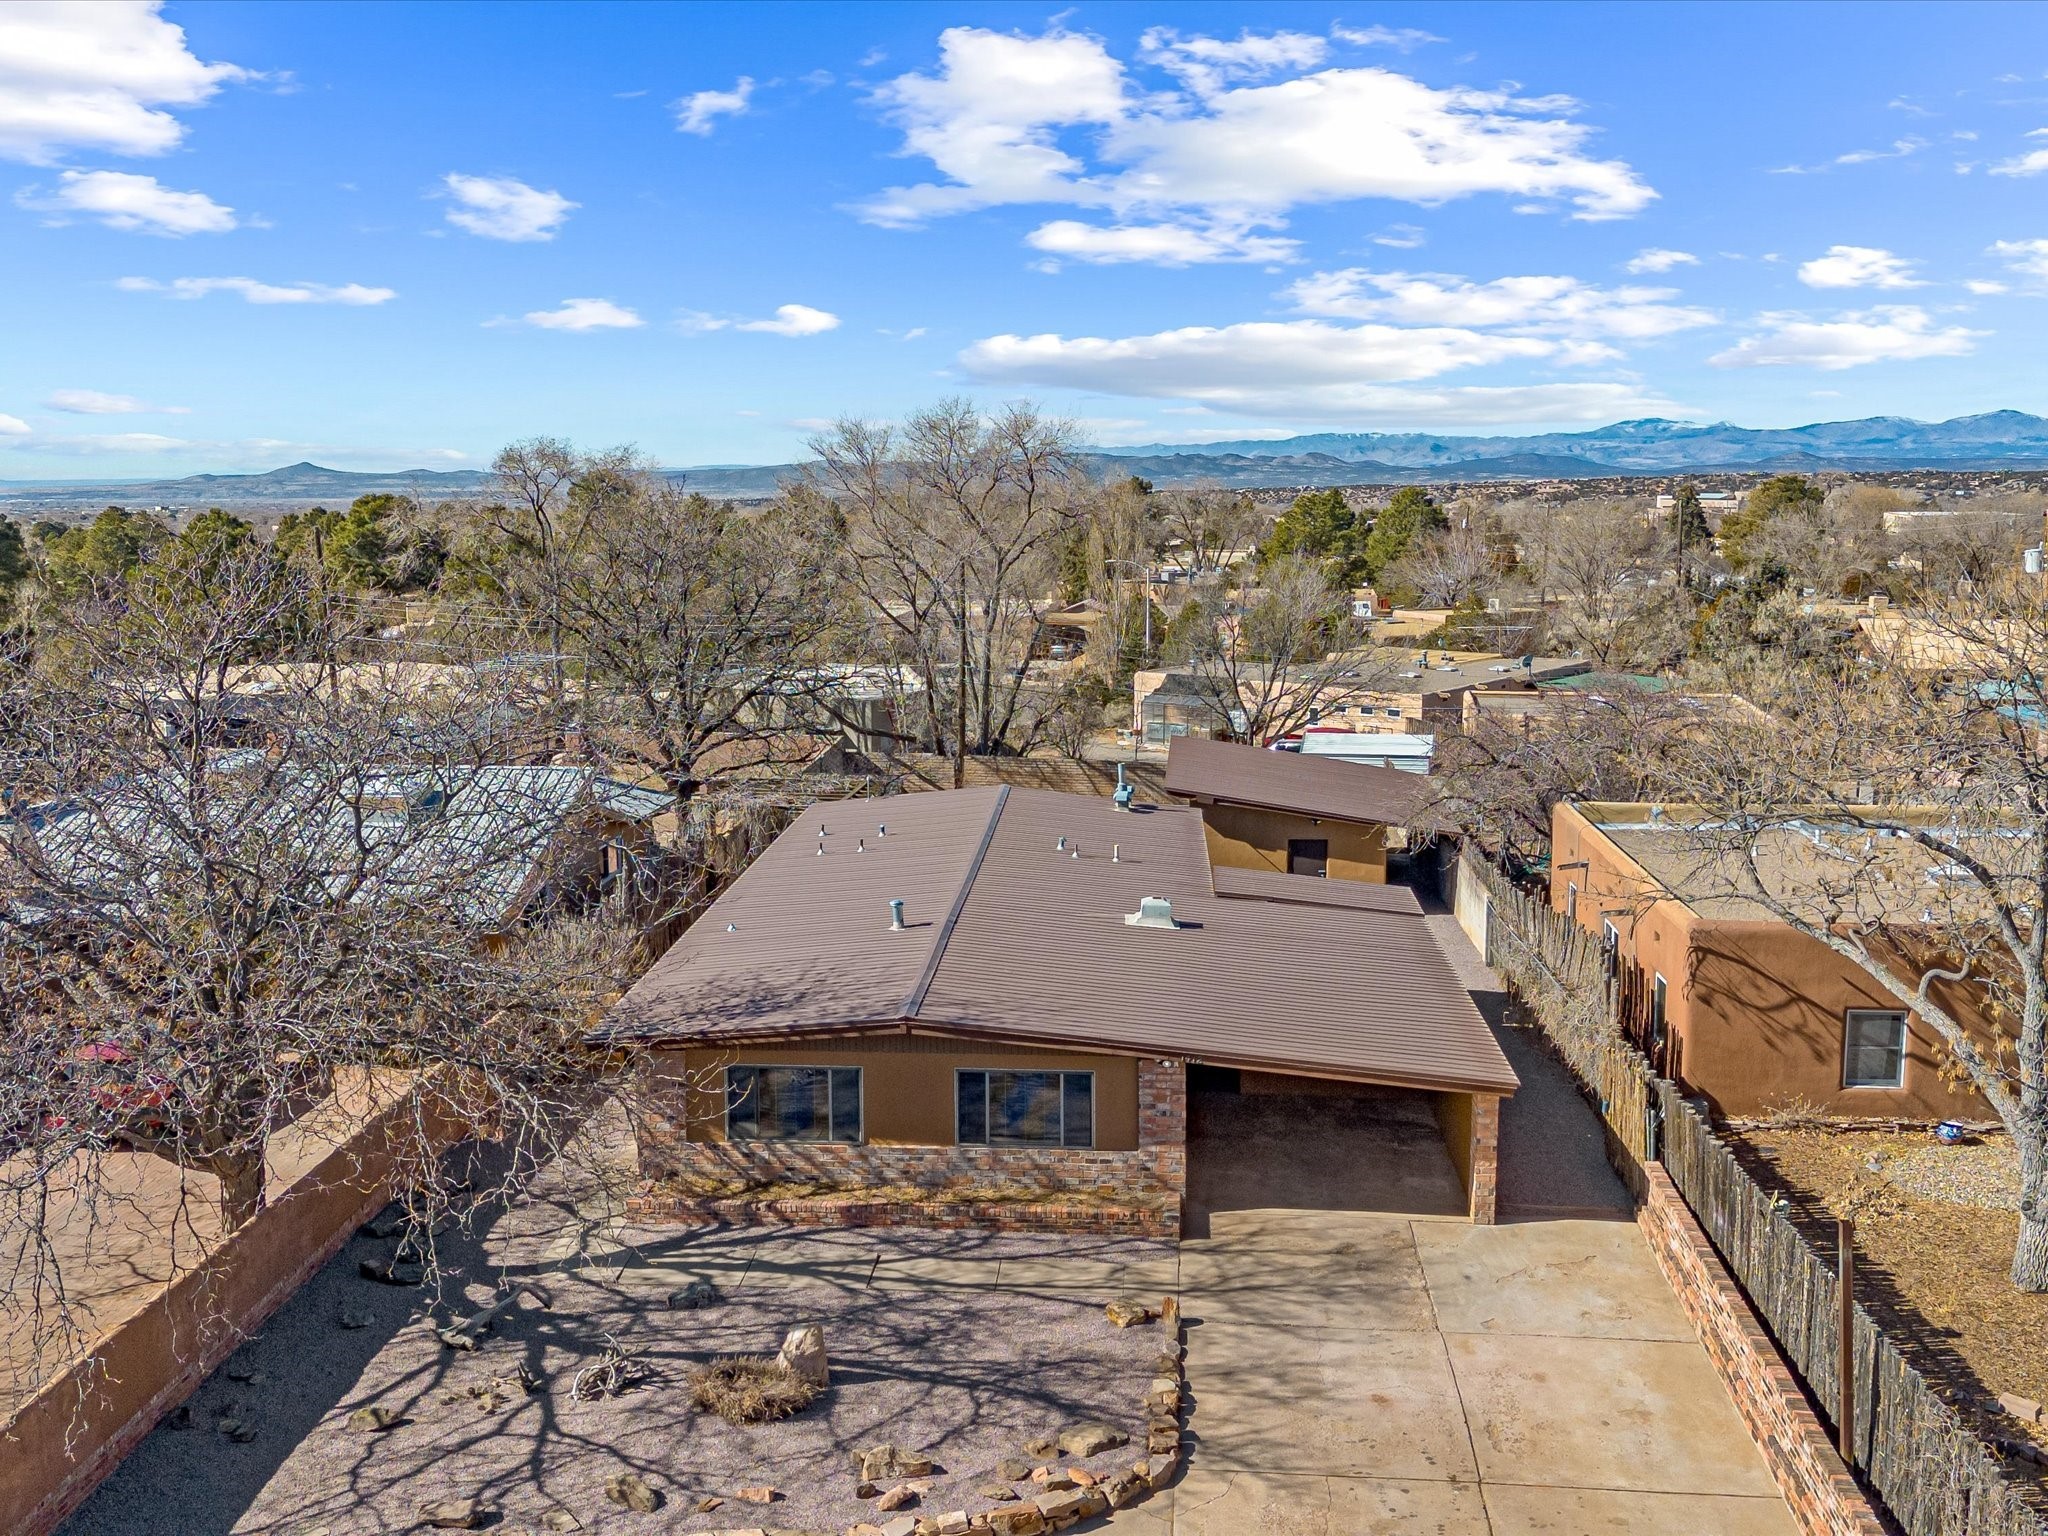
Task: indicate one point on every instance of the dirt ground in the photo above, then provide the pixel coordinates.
(1933, 1271)
(929, 1350)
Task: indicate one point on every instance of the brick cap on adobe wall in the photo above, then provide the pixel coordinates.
(1818, 1487)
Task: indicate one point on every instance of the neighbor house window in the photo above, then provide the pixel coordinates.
(1024, 1109)
(1571, 899)
(1874, 1048)
(792, 1103)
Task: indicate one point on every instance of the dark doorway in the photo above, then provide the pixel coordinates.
(1207, 1079)
(1308, 856)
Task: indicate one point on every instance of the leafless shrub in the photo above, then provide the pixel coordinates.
(615, 1371)
(750, 1389)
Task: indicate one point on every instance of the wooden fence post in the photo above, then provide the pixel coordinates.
(1845, 1285)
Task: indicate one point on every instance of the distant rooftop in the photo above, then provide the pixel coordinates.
(1305, 784)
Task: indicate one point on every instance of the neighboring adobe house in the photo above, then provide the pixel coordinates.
(1737, 1004)
(1019, 1029)
(1292, 812)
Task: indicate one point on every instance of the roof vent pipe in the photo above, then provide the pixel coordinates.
(1060, 846)
(860, 845)
(1153, 912)
(884, 829)
(1116, 853)
(896, 915)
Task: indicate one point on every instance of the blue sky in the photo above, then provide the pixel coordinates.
(378, 235)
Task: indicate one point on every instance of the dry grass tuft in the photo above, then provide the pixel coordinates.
(750, 1389)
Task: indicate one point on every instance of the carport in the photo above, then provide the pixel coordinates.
(1273, 1141)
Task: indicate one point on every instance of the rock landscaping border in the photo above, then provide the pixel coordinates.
(1066, 1495)
(1157, 1221)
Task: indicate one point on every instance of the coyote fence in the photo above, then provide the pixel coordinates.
(1935, 1476)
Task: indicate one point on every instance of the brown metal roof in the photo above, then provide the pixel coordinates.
(1199, 769)
(1311, 891)
(1014, 938)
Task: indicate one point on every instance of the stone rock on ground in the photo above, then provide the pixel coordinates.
(1024, 1520)
(708, 1503)
(761, 1495)
(891, 1464)
(699, 1293)
(1053, 1477)
(803, 1354)
(454, 1514)
(1090, 1439)
(1078, 1505)
(1123, 1488)
(629, 1491)
(353, 1318)
(1002, 1493)
(369, 1420)
(902, 1496)
(1129, 1311)
(902, 1525)
(560, 1520)
(1012, 1469)
(1044, 1447)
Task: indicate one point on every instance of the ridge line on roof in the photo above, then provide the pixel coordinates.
(923, 985)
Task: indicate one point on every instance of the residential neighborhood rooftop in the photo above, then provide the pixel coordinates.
(1308, 785)
(1015, 910)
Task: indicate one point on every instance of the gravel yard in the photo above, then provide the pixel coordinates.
(930, 1350)
(1935, 1228)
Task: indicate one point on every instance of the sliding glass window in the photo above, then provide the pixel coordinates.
(1004, 1108)
(793, 1103)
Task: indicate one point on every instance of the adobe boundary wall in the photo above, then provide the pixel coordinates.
(1823, 1495)
(67, 1438)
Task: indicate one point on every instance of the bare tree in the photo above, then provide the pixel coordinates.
(1942, 905)
(1204, 528)
(950, 522)
(1447, 566)
(203, 934)
(1262, 656)
(696, 623)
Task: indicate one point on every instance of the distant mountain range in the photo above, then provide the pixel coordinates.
(1995, 440)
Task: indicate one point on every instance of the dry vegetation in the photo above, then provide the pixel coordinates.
(1933, 1273)
(751, 1389)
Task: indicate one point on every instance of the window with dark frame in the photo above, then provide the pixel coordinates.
(793, 1103)
(1571, 900)
(1001, 1107)
(1873, 1048)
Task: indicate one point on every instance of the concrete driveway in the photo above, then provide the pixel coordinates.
(1363, 1364)
(1357, 1375)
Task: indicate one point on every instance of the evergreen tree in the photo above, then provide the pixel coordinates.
(1322, 528)
(1411, 514)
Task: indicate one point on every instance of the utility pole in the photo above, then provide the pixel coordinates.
(960, 701)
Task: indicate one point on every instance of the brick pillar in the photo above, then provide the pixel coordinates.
(1485, 1157)
(1163, 1123)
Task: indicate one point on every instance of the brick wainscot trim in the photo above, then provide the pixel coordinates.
(1149, 1183)
(1824, 1497)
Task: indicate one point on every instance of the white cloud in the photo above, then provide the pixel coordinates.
(788, 320)
(123, 200)
(1900, 150)
(1401, 237)
(256, 292)
(1218, 149)
(1205, 65)
(2029, 258)
(1859, 266)
(13, 426)
(2032, 163)
(585, 315)
(96, 77)
(94, 402)
(1165, 245)
(1232, 364)
(501, 208)
(699, 113)
(793, 320)
(1400, 39)
(1306, 370)
(1985, 287)
(1561, 306)
(1886, 334)
(1656, 258)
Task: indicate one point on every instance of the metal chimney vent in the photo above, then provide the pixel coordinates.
(896, 916)
(1153, 912)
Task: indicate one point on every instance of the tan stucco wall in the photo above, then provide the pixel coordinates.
(1243, 838)
(1756, 1010)
(1454, 1114)
(906, 1083)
